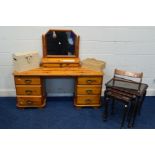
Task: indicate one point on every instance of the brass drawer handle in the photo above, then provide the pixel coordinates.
(89, 91)
(29, 102)
(28, 92)
(88, 100)
(65, 65)
(28, 81)
(90, 81)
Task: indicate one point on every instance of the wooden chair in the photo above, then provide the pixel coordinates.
(126, 87)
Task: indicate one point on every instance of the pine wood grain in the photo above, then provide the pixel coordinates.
(28, 89)
(60, 65)
(67, 71)
(89, 80)
(27, 80)
(60, 60)
(88, 90)
(33, 101)
(88, 100)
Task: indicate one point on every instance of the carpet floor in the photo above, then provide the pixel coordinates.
(60, 113)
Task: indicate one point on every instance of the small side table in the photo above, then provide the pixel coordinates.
(127, 91)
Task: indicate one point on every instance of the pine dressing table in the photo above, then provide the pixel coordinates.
(30, 85)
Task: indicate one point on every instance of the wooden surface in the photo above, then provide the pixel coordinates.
(31, 92)
(88, 90)
(129, 74)
(27, 80)
(28, 89)
(60, 65)
(60, 60)
(27, 101)
(90, 80)
(72, 72)
(88, 100)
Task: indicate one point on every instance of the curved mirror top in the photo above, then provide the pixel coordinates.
(60, 42)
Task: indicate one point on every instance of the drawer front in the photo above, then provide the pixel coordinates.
(50, 65)
(88, 90)
(28, 90)
(88, 100)
(29, 101)
(69, 65)
(61, 65)
(27, 80)
(89, 80)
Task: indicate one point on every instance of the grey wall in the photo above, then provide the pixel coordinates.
(129, 48)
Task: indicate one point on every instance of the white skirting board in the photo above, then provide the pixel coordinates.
(12, 93)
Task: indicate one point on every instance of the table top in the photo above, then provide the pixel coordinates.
(66, 71)
(127, 86)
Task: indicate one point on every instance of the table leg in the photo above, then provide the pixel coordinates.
(124, 115)
(113, 106)
(132, 112)
(106, 100)
(141, 103)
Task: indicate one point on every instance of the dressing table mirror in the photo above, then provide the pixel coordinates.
(60, 49)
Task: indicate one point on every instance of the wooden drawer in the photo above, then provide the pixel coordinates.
(28, 90)
(88, 100)
(88, 90)
(89, 80)
(69, 65)
(26, 101)
(50, 65)
(27, 80)
(60, 65)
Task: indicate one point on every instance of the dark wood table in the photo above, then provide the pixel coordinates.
(133, 90)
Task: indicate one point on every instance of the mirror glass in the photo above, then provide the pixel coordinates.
(60, 43)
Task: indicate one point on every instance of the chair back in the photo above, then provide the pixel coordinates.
(122, 75)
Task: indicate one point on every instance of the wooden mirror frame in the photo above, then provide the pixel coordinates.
(77, 39)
